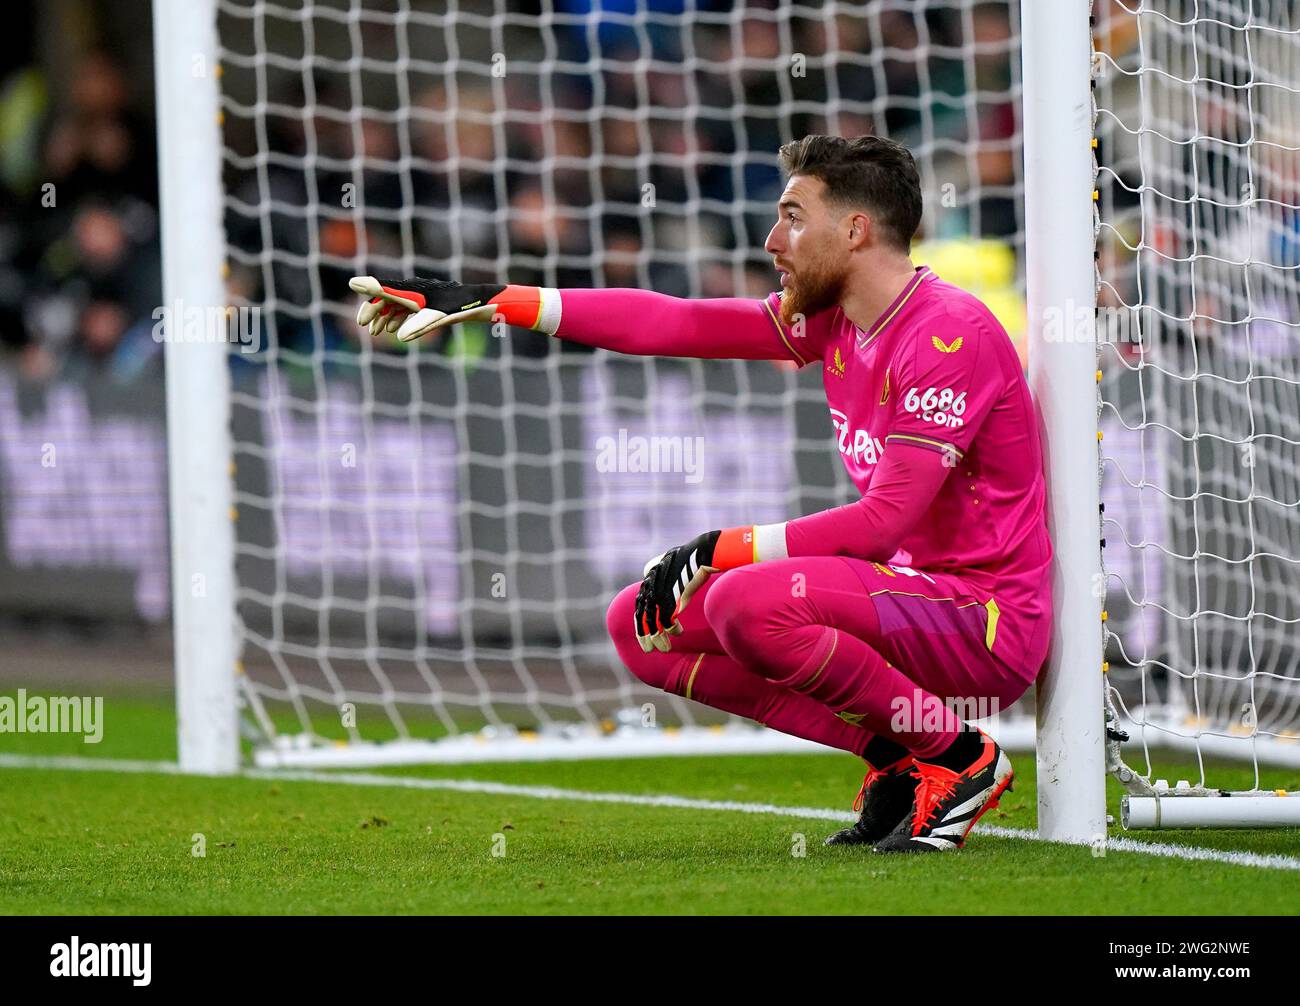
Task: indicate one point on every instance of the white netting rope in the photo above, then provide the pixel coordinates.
(1198, 119)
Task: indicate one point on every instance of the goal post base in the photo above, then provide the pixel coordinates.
(1222, 810)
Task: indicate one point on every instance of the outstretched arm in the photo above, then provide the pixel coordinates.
(643, 323)
(637, 322)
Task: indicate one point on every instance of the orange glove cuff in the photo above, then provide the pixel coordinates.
(520, 306)
(735, 547)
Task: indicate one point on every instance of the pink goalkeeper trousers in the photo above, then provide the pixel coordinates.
(835, 650)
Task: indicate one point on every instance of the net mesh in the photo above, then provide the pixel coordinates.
(427, 538)
(1198, 115)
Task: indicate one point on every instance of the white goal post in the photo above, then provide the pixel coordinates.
(387, 554)
(198, 388)
(1059, 275)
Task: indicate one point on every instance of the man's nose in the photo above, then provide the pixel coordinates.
(772, 245)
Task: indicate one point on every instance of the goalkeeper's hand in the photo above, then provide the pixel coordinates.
(671, 579)
(411, 308)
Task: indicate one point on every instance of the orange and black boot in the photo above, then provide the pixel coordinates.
(948, 801)
(885, 799)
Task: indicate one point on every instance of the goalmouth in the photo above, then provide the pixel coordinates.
(385, 554)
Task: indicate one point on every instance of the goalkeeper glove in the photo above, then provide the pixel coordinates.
(411, 308)
(671, 579)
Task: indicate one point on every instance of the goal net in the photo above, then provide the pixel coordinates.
(1198, 240)
(428, 536)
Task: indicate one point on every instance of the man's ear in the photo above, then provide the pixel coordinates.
(859, 230)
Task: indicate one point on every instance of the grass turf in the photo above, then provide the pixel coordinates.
(99, 842)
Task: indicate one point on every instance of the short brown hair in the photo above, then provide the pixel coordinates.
(868, 172)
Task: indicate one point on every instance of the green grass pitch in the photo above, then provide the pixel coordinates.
(79, 842)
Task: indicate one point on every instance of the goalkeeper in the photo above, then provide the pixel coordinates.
(869, 626)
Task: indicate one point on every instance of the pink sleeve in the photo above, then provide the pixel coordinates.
(643, 323)
(902, 488)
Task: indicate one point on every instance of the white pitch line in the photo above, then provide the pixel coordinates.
(1117, 844)
(80, 764)
(547, 793)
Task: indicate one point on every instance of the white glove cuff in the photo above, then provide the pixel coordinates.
(769, 542)
(548, 320)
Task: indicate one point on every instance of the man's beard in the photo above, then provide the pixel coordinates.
(818, 288)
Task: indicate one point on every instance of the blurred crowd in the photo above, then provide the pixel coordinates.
(608, 154)
(657, 171)
(79, 255)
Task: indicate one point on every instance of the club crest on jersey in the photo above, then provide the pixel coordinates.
(837, 363)
(884, 392)
(946, 347)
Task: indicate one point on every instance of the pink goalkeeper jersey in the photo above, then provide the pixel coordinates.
(938, 372)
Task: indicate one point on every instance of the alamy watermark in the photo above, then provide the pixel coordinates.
(75, 959)
(922, 713)
(626, 453)
(180, 322)
(57, 714)
(1072, 322)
